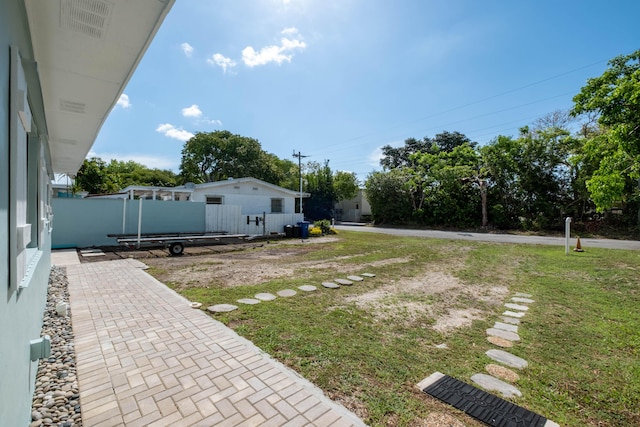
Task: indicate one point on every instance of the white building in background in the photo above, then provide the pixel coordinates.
(356, 209)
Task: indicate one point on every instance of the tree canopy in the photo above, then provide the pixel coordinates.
(615, 97)
(215, 156)
(97, 177)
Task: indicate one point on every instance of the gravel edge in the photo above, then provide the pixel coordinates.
(56, 399)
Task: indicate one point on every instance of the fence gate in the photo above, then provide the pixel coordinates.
(222, 218)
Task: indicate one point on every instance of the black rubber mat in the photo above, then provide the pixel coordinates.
(483, 406)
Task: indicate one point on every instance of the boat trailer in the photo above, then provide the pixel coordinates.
(176, 242)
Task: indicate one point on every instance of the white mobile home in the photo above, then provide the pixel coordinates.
(63, 66)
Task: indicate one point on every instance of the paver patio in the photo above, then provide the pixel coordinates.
(146, 358)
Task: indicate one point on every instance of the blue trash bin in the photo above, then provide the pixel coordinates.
(304, 229)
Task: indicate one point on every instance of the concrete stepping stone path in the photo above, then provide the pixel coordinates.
(249, 301)
(505, 327)
(307, 288)
(520, 294)
(501, 333)
(493, 384)
(522, 300)
(330, 285)
(368, 275)
(265, 296)
(355, 278)
(507, 358)
(285, 293)
(513, 314)
(344, 282)
(511, 320)
(222, 308)
(516, 306)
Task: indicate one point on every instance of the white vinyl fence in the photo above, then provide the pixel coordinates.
(228, 218)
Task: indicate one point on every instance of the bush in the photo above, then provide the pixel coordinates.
(315, 232)
(324, 225)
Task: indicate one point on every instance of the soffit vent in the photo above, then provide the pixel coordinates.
(72, 107)
(88, 17)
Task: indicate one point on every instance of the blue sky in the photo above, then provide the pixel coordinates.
(338, 79)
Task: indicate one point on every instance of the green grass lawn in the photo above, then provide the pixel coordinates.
(368, 345)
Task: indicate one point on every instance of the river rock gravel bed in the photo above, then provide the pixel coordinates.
(56, 399)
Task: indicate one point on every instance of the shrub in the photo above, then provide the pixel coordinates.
(324, 225)
(315, 232)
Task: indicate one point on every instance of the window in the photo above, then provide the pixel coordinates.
(214, 200)
(276, 205)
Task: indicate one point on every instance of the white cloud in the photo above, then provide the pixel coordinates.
(171, 131)
(222, 62)
(375, 156)
(187, 49)
(123, 101)
(193, 111)
(273, 53)
(214, 122)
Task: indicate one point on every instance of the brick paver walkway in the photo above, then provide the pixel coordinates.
(145, 358)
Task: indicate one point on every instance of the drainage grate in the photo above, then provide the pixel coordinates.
(481, 405)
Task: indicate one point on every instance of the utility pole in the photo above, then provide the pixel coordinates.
(300, 157)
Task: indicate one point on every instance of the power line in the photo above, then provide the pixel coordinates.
(300, 156)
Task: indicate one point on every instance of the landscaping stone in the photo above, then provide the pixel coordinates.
(307, 288)
(516, 306)
(368, 275)
(222, 308)
(500, 342)
(512, 320)
(249, 301)
(330, 285)
(522, 300)
(520, 294)
(505, 327)
(343, 282)
(493, 384)
(507, 358)
(502, 373)
(442, 346)
(510, 336)
(265, 296)
(196, 304)
(355, 278)
(513, 313)
(286, 293)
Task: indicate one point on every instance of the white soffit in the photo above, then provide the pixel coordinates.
(86, 52)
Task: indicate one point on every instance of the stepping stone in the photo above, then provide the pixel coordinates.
(502, 373)
(500, 342)
(286, 293)
(511, 336)
(368, 275)
(249, 301)
(505, 327)
(513, 313)
(516, 306)
(520, 294)
(330, 285)
(355, 278)
(511, 320)
(493, 384)
(222, 308)
(522, 300)
(265, 296)
(343, 282)
(507, 358)
(442, 346)
(196, 304)
(307, 288)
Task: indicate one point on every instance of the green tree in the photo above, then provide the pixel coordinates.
(219, 155)
(319, 180)
(345, 185)
(388, 197)
(615, 97)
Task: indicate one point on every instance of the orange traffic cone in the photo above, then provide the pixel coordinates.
(578, 248)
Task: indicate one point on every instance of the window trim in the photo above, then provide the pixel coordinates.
(277, 200)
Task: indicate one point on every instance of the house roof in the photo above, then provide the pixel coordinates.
(254, 181)
(86, 51)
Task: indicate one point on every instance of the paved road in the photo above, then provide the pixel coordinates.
(498, 238)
